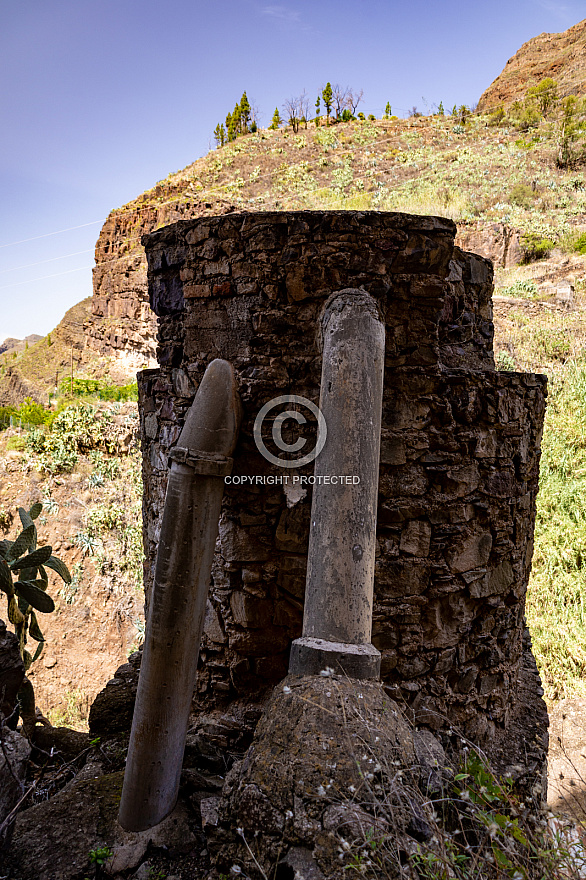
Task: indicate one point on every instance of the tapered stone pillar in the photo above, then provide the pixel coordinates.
(337, 622)
(189, 529)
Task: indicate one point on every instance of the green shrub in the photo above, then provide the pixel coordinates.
(33, 413)
(99, 389)
(523, 144)
(505, 362)
(16, 444)
(535, 247)
(552, 343)
(5, 413)
(103, 519)
(497, 116)
(522, 195)
(580, 244)
(522, 289)
(526, 118)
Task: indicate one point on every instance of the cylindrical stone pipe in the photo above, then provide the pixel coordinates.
(199, 462)
(337, 621)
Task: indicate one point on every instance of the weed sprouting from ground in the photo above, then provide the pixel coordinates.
(464, 824)
(72, 710)
(68, 592)
(398, 811)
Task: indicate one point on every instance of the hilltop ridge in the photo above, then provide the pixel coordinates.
(12, 344)
(559, 56)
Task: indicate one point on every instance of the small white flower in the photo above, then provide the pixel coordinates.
(377, 768)
(286, 689)
(327, 672)
(352, 788)
(360, 697)
(289, 814)
(345, 844)
(377, 739)
(321, 791)
(240, 831)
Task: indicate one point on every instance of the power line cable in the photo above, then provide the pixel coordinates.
(55, 275)
(41, 262)
(47, 234)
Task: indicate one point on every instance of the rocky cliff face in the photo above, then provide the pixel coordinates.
(11, 344)
(35, 371)
(121, 322)
(560, 56)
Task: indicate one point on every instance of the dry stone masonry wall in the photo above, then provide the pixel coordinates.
(459, 460)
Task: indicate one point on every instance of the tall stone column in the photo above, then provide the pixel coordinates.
(337, 622)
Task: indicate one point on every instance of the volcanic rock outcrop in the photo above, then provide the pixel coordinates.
(559, 56)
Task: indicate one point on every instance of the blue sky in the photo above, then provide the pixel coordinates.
(100, 99)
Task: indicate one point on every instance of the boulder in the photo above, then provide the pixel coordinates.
(13, 763)
(333, 760)
(111, 711)
(495, 241)
(53, 840)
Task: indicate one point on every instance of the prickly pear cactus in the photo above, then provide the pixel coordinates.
(24, 579)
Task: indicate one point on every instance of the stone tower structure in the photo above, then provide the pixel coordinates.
(459, 457)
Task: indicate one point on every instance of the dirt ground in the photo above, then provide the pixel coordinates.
(567, 758)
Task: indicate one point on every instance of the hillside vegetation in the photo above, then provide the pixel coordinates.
(80, 460)
(465, 169)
